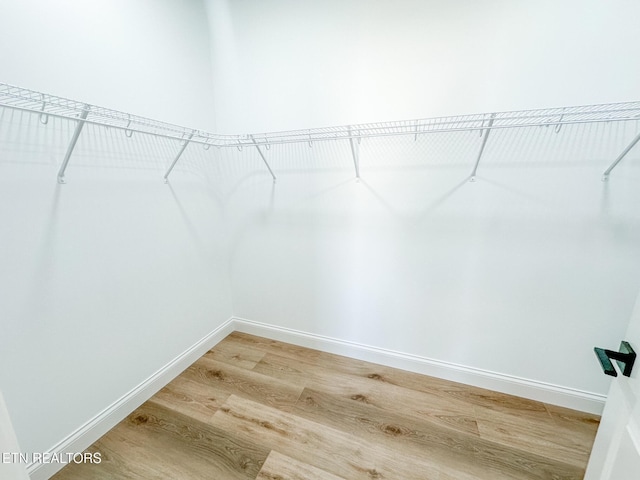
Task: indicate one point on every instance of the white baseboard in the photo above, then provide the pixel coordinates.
(91, 431)
(522, 387)
(88, 433)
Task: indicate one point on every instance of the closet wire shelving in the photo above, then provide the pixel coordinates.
(47, 105)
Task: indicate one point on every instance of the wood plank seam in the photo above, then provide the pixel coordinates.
(254, 408)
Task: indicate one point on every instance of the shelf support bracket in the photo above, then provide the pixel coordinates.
(263, 158)
(605, 175)
(72, 144)
(175, 160)
(487, 131)
(356, 155)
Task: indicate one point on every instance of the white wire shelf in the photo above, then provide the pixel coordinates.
(47, 105)
(556, 117)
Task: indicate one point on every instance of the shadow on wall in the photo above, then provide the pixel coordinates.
(43, 277)
(25, 139)
(434, 203)
(409, 176)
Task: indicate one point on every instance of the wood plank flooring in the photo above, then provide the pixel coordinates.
(253, 408)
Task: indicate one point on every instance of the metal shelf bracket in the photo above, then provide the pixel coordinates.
(127, 132)
(263, 157)
(355, 153)
(48, 106)
(72, 144)
(487, 131)
(559, 124)
(605, 175)
(175, 160)
(44, 118)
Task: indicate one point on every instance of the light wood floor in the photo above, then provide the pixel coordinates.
(253, 408)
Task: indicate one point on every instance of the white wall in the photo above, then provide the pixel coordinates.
(109, 277)
(287, 64)
(521, 273)
(146, 57)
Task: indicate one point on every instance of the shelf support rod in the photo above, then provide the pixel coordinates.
(72, 144)
(175, 160)
(263, 157)
(487, 131)
(355, 153)
(605, 175)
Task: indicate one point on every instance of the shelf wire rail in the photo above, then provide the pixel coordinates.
(47, 106)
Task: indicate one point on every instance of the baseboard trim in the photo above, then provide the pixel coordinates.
(522, 387)
(91, 431)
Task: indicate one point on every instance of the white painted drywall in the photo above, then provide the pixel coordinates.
(108, 278)
(146, 57)
(521, 273)
(286, 64)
